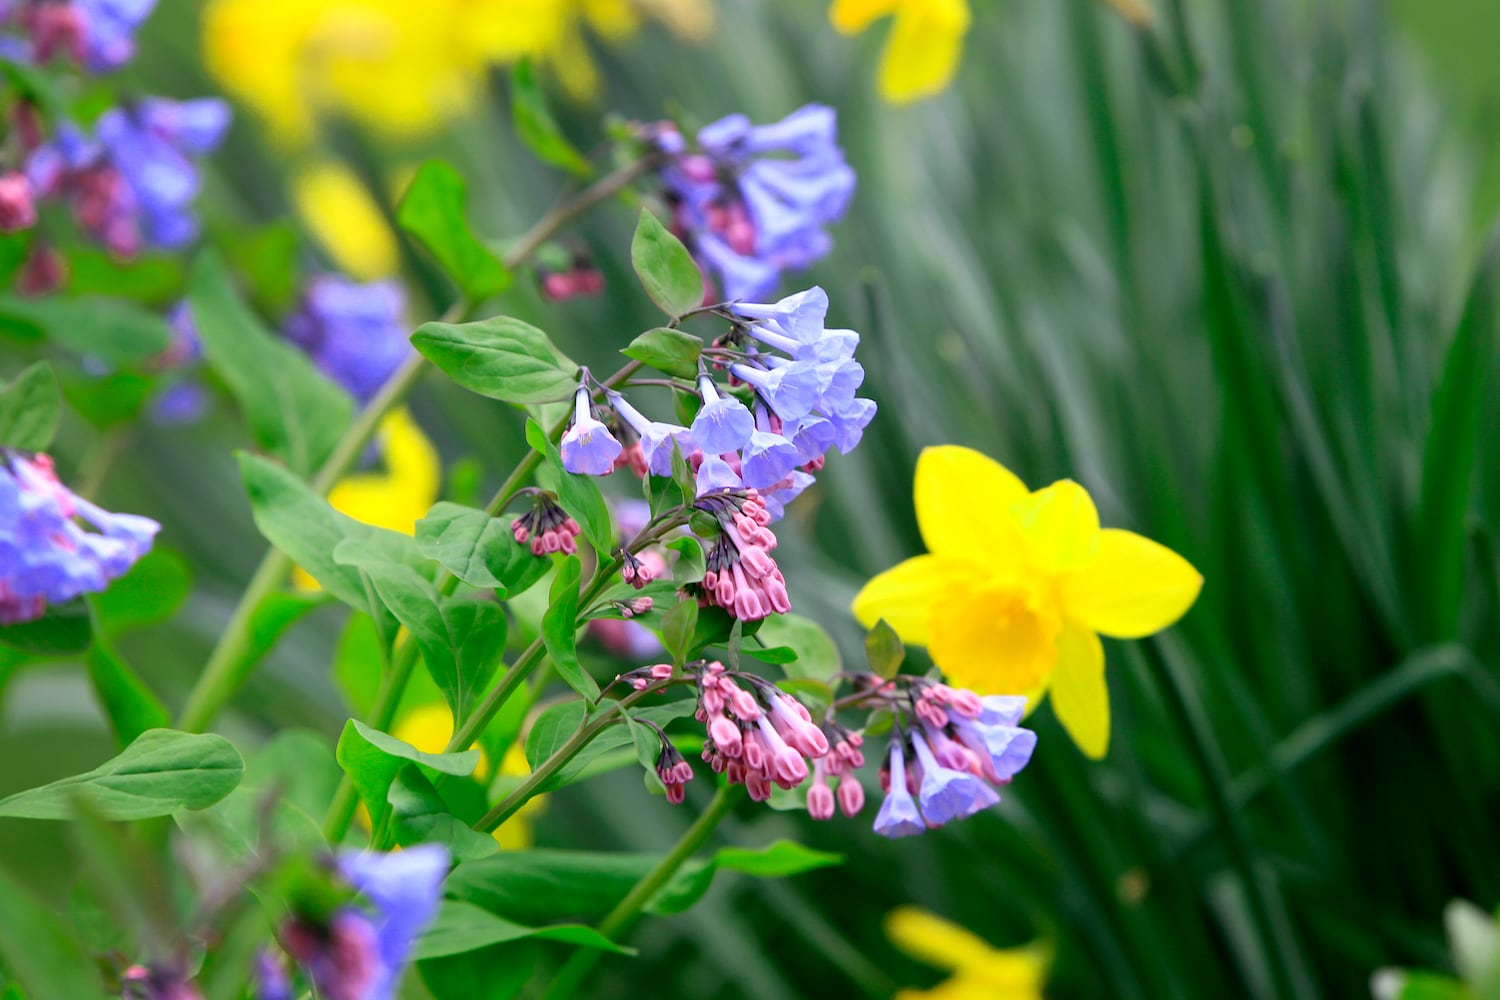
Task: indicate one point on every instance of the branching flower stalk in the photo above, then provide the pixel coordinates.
(230, 662)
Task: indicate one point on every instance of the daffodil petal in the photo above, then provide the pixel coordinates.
(1061, 526)
(923, 52)
(1078, 692)
(934, 941)
(988, 640)
(963, 499)
(345, 220)
(905, 594)
(1132, 588)
(851, 16)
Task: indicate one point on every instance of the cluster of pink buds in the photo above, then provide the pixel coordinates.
(759, 735)
(17, 205)
(673, 770)
(741, 576)
(581, 279)
(547, 526)
(845, 757)
(639, 570)
(634, 606)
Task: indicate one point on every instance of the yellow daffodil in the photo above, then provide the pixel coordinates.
(404, 68)
(345, 220)
(980, 972)
(397, 497)
(429, 727)
(923, 50)
(1018, 585)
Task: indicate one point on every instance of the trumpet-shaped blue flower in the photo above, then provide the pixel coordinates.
(850, 422)
(354, 333)
(588, 448)
(404, 888)
(946, 794)
(715, 474)
(798, 317)
(995, 737)
(767, 459)
(723, 424)
(657, 438)
(792, 390)
(46, 555)
(898, 815)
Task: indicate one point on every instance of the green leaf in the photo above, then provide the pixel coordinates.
(775, 860)
(117, 332)
(302, 524)
(667, 271)
(462, 927)
(461, 639)
(817, 654)
(65, 630)
(499, 972)
(690, 563)
(883, 650)
(160, 772)
(1451, 452)
(130, 705)
(40, 951)
(29, 409)
(560, 629)
(667, 350)
(421, 816)
(536, 126)
(292, 410)
(578, 495)
(502, 358)
(557, 724)
(678, 627)
(816, 695)
(372, 760)
(433, 211)
(150, 593)
(126, 878)
(478, 549)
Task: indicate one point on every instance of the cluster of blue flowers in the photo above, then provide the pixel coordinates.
(99, 35)
(355, 333)
(133, 184)
(46, 555)
(802, 380)
(945, 764)
(361, 952)
(753, 201)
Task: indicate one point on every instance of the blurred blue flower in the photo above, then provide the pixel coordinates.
(182, 401)
(753, 201)
(134, 184)
(97, 34)
(405, 888)
(353, 332)
(947, 794)
(46, 555)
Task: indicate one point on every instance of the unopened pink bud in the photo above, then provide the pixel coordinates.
(759, 787)
(820, 801)
(17, 207)
(744, 705)
(851, 795)
(726, 735)
(661, 671)
(676, 792)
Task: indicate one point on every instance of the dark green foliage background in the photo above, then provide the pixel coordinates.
(1233, 274)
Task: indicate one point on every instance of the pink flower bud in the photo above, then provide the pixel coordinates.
(820, 801)
(851, 795)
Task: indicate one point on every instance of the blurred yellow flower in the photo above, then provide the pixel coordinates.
(345, 220)
(1018, 585)
(980, 972)
(923, 50)
(397, 497)
(402, 67)
(429, 727)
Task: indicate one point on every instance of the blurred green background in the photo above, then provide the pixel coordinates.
(1230, 272)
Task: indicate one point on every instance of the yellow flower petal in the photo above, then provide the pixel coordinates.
(612, 19)
(1132, 588)
(934, 941)
(851, 16)
(923, 52)
(905, 594)
(1061, 526)
(962, 496)
(993, 640)
(345, 220)
(1079, 696)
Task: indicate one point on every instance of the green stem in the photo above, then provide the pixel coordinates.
(508, 806)
(232, 659)
(619, 920)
